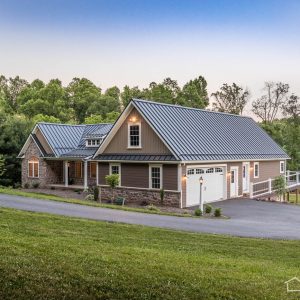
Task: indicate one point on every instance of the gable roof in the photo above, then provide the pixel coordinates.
(68, 140)
(202, 135)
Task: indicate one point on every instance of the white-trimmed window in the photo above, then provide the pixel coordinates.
(281, 164)
(134, 135)
(33, 167)
(155, 177)
(256, 170)
(115, 169)
(93, 142)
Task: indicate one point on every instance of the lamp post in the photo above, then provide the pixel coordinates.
(200, 198)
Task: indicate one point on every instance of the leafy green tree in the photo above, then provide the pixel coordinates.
(194, 93)
(111, 117)
(231, 99)
(130, 93)
(93, 119)
(45, 118)
(2, 165)
(82, 94)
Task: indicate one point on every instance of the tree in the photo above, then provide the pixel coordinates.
(11, 88)
(113, 181)
(267, 106)
(45, 118)
(82, 95)
(280, 187)
(291, 108)
(194, 93)
(2, 165)
(130, 93)
(231, 99)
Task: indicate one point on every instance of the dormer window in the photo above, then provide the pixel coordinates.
(93, 142)
(134, 135)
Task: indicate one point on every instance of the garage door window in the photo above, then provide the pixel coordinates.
(210, 170)
(218, 170)
(190, 172)
(199, 171)
(155, 177)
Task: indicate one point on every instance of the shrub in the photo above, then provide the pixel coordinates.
(162, 196)
(17, 185)
(144, 203)
(153, 207)
(26, 185)
(208, 209)
(89, 197)
(35, 184)
(218, 212)
(77, 190)
(279, 186)
(198, 212)
(96, 193)
(112, 180)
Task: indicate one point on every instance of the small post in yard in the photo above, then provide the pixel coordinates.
(270, 185)
(296, 196)
(200, 198)
(251, 190)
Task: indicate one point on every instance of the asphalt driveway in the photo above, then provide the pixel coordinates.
(248, 218)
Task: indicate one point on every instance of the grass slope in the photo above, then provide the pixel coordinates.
(52, 257)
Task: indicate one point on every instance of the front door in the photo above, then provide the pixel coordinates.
(234, 182)
(246, 177)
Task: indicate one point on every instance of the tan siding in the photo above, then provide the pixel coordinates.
(103, 170)
(43, 141)
(151, 143)
(135, 175)
(170, 177)
(183, 185)
(267, 169)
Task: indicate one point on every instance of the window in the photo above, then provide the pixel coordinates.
(218, 170)
(115, 169)
(232, 177)
(78, 169)
(33, 167)
(210, 170)
(93, 143)
(282, 167)
(155, 177)
(190, 171)
(93, 169)
(256, 170)
(199, 171)
(134, 135)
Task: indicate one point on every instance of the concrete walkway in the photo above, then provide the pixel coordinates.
(249, 218)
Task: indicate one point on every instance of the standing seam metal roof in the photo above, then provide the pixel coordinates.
(196, 134)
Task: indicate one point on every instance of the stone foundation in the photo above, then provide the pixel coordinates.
(141, 196)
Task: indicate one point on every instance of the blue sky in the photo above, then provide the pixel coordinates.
(136, 42)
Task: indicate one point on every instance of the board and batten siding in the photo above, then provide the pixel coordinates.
(151, 143)
(136, 175)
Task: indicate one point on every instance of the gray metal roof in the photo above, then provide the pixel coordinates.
(136, 157)
(196, 134)
(69, 140)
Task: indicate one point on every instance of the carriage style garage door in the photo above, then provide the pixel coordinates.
(213, 188)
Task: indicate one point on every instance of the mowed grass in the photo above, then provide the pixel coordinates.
(52, 257)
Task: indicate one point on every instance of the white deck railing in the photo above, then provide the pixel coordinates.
(266, 187)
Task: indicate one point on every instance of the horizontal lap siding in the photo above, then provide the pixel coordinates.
(170, 177)
(103, 170)
(267, 169)
(135, 175)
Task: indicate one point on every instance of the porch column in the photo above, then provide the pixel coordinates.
(85, 175)
(66, 173)
(97, 173)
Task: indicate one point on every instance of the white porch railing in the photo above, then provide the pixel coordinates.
(266, 187)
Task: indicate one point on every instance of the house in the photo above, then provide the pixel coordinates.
(154, 146)
(293, 285)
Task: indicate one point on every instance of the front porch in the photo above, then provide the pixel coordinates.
(75, 174)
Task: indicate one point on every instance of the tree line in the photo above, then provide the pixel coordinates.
(22, 104)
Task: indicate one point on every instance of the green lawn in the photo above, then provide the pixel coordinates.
(52, 257)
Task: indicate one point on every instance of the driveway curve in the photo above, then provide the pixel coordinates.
(248, 218)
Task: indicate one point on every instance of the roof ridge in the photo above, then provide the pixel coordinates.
(186, 107)
(60, 124)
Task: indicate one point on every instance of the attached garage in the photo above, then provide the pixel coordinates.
(214, 184)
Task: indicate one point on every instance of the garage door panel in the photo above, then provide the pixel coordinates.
(213, 185)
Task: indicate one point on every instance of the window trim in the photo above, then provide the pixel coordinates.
(256, 164)
(93, 163)
(140, 135)
(150, 176)
(281, 163)
(32, 161)
(120, 170)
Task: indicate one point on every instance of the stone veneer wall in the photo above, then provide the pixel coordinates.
(138, 196)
